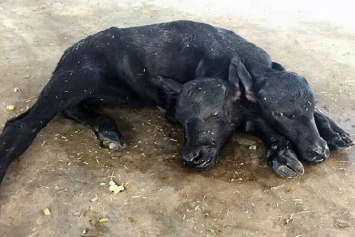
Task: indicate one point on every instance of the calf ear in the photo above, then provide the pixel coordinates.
(277, 67)
(167, 85)
(171, 90)
(238, 72)
(233, 81)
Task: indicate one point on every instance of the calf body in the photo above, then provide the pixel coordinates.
(116, 67)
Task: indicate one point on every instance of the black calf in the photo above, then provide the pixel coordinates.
(115, 67)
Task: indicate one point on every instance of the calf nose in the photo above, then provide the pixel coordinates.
(316, 151)
(191, 158)
(199, 156)
(319, 154)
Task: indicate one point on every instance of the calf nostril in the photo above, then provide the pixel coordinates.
(316, 151)
(210, 149)
(192, 157)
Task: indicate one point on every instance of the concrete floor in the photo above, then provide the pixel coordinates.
(65, 169)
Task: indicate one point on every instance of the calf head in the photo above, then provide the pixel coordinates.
(207, 109)
(286, 102)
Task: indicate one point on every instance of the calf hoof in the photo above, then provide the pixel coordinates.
(111, 140)
(285, 163)
(340, 141)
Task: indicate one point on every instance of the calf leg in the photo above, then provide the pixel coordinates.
(335, 137)
(104, 127)
(279, 154)
(65, 89)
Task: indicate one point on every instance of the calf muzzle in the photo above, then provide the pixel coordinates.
(318, 154)
(314, 150)
(200, 158)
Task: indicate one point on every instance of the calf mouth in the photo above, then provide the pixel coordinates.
(316, 160)
(206, 165)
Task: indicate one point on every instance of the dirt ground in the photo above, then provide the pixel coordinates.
(67, 172)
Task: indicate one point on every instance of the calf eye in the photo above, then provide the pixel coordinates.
(278, 114)
(215, 115)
